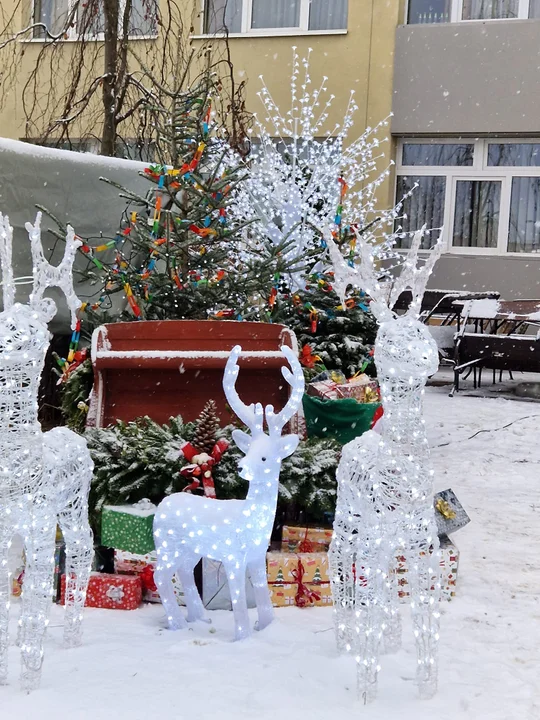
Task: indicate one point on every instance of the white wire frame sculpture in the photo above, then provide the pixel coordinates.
(44, 477)
(306, 173)
(385, 480)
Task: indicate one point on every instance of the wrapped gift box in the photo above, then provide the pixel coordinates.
(316, 539)
(133, 564)
(114, 592)
(449, 569)
(450, 514)
(128, 527)
(215, 587)
(363, 391)
(298, 578)
(325, 389)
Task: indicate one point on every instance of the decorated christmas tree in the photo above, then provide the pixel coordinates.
(178, 252)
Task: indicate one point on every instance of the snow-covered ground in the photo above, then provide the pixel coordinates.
(130, 667)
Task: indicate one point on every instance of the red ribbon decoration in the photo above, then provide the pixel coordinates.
(304, 596)
(204, 470)
(147, 579)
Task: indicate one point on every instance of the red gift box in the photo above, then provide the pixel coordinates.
(114, 592)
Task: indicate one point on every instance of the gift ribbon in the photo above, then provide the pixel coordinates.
(304, 595)
(445, 509)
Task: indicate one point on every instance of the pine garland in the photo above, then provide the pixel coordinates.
(142, 459)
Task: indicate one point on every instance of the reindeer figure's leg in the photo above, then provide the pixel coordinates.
(37, 592)
(424, 577)
(163, 575)
(79, 553)
(371, 599)
(392, 631)
(194, 605)
(342, 577)
(69, 468)
(265, 611)
(5, 592)
(236, 575)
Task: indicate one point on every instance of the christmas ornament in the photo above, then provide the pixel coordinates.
(44, 477)
(236, 532)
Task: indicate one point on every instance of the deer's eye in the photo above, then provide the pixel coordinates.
(263, 459)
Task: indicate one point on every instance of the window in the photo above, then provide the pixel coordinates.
(485, 193)
(278, 16)
(88, 19)
(441, 11)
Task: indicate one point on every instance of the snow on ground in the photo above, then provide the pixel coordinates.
(131, 667)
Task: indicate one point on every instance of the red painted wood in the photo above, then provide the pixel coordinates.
(131, 387)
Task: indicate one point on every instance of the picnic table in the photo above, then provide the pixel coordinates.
(495, 334)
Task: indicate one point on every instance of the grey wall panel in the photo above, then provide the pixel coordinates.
(471, 77)
(513, 277)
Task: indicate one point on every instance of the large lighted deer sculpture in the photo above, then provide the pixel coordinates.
(235, 532)
(385, 493)
(44, 477)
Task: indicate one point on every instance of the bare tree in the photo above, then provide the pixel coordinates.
(127, 56)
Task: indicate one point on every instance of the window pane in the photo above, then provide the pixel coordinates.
(53, 14)
(437, 154)
(429, 11)
(514, 154)
(476, 222)
(90, 18)
(143, 17)
(524, 231)
(328, 15)
(534, 8)
(223, 14)
(489, 9)
(425, 206)
(275, 14)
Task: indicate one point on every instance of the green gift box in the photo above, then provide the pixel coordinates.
(128, 527)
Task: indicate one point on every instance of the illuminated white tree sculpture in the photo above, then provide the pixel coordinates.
(385, 482)
(235, 532)
(44, 477)
(306, 174)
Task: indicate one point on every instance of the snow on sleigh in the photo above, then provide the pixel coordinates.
(170, 367)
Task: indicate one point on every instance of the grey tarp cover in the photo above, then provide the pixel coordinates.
(68, 184)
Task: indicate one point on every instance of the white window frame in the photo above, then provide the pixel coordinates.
(247, 31)
(456, 12)
(72, 35)
(479, 170)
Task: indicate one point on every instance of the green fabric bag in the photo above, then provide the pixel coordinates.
(125, 528)
(342, 419)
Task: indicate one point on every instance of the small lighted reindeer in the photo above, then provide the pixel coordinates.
(235, 532)
(44, 477)
(385, 494)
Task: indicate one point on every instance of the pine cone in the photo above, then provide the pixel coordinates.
(206, 428)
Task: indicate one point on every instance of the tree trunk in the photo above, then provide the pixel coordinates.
(108, 138)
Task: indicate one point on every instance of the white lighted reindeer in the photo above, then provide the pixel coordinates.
(385, 482)
(235, 532)
(44, 477)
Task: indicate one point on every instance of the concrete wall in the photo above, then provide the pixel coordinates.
(514, 277)
(470, 77)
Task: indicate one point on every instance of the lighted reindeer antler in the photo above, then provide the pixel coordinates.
(46, 275)
(250, 415)
(6, 245)
(365, 274)
(415, 276)
(295, 378)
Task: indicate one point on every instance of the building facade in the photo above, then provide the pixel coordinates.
(461, 77)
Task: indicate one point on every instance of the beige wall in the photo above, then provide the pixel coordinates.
(467, 78)
(361, 59)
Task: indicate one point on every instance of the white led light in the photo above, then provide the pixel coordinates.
(220, 526)
(384, 504)
(45, 476)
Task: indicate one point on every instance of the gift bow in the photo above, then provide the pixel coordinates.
(304, 596)
(445, 509)
(115, 593)
(203, 467)
(147, 579)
